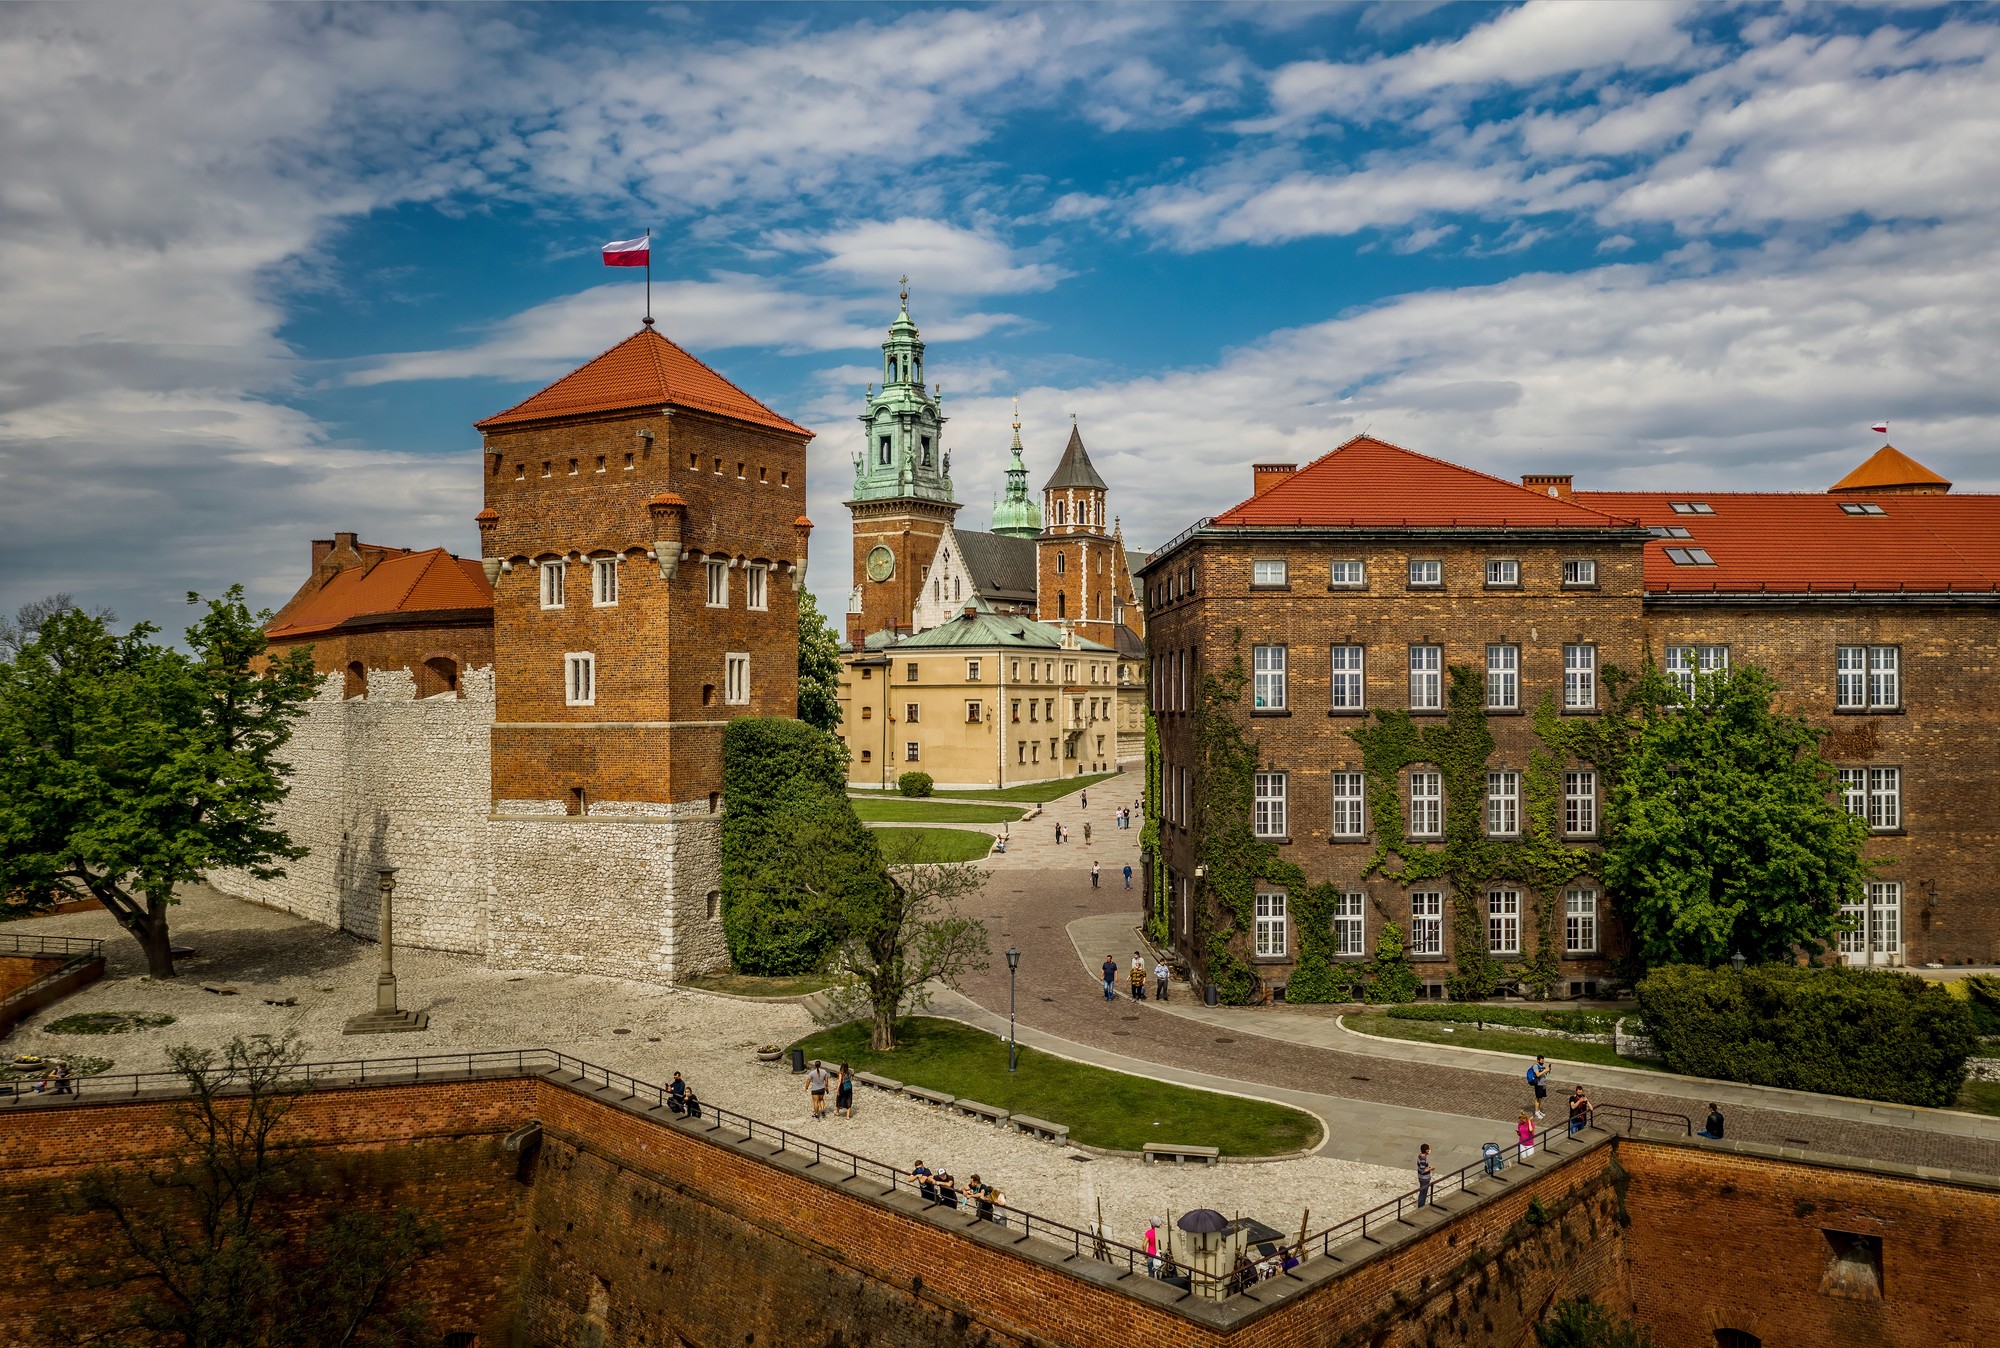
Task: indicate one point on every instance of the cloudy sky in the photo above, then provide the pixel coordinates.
(261, 267)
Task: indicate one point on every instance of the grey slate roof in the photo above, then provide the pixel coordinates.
(1003, 568)
(1075, 469)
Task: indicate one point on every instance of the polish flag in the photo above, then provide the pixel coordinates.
(1880, 428)
(628, 253)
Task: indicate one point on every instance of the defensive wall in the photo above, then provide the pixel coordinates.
(577, 1211)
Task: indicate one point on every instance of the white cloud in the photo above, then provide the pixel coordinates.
(939, 257)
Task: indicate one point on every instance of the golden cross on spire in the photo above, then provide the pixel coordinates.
(906, 290)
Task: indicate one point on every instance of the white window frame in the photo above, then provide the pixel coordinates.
(1580, 572)
(1877, 937)
(1875, 796)
(1580, 677)
(1503, 573)
(912, 713)
(579, 679)
(1426, 678)
(1350, 925)
(1580, 922)
(604, 582)
(1270, 573)
(1347, 686)
(757, 588)
(1885, 677)
(1347, 575)
(1269, 805)
(1686, 663)
(1267, 664)
(736, 678)
(1580, 803)
(1503, 677)
(1503, 921)
(1426, 804)
(974, 710)
(718, 584)
(1503, 804)
(1426, 573)
(972, 671)
(1271, 934)
(1427, 922)
(1350, 804)
(554, 584)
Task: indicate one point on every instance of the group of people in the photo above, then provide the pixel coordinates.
(1062, 832)
(1138, 977)
(681, 1099)
(1581, 1110)
(984, 1200)
(818, 1079)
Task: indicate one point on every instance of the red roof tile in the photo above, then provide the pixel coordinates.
(1790, 543)
(1889, 467)
(1371, 482)
(644, 370)
(402, 582)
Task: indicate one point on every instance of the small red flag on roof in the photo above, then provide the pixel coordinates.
(629, 252)
(1880, 428)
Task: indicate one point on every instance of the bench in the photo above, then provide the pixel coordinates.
(990, 1113)
(1028, 1123)
(930, 1097)
(878, 1083)
(1178, 1152)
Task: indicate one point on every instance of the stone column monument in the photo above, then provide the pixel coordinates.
(386, 1018)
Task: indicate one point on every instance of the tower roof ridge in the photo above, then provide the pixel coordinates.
(647, 369)
(1075, 469)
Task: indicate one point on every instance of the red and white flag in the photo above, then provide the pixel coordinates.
(628, 252)
(1880, 428)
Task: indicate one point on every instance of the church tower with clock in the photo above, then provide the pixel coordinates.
(902, 501)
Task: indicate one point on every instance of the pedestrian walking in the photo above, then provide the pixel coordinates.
(1152, 1249)
(1538, 1072)
(1138, 977)
(1110, 979)
(843, 1093)
(1525, 1130)
(1579, 1111)
(1426, 1175)
(1713, 1128)
(1086, 800)
(1160, 980)
(1128, 876)
(1086, 832)
(1058, 835)
(1093, 875)
(816, 1086)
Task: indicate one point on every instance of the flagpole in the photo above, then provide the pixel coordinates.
(649, 277)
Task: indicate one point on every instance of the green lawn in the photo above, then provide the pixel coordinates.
(897, 810)
(1040, 793)
(753, 985)
(1980, 1097)
(1101, 1108)
(936, 844)
(1500, 1041)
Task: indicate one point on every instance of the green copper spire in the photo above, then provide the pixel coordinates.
(1017, 516)
(903, 455)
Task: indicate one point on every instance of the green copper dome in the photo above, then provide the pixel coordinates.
(903, 455)
(1016, 515)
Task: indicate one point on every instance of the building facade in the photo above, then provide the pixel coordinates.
(1376, 578)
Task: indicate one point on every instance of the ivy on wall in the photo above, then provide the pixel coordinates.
(1159, 889)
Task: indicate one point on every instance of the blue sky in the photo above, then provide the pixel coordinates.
(261, 267)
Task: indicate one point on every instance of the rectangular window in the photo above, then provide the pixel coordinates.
(1580, 804)
(1014, 710)
(580, 679)
(1684, 663)
(1426, 805)
(910, 672)
(1580, 572)
(1267, 573)
(1503, 678)
(1503, 804)
(1348, 575)
(1579, 678)
(1034, 709)
(910, 710)
(1884, 676)
(1426, 573)
(1874, 930)
(1503, 573)
(1014, 666)
(910, 751)
(1427, 923)
(604, 582)
(1580, 922)
(972, 671)
(1690, 557)
(1271, 925)
(1268, 666)
(1692, 508)
(718, 584)
(1349, 926)
(1020, 751)
(1874, 795)
(552, 584)
(736, 678)
(1426, 678)
(1345, 692)
(754, 589)
(1503, 921)
(1268, 819)
(1349, 817)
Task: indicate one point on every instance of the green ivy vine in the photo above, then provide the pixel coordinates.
(1158, 894)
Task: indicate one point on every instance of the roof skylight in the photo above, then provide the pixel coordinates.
(1690, 557)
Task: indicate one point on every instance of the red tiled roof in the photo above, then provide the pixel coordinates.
(1889, 467)
(403, 582)
(1371, 482)
(1793, 543)
(644, 370)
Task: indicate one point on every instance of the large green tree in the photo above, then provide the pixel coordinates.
(129, 768)
(1724, 830)
(819, 667)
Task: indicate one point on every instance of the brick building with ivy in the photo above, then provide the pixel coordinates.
(1373, 683)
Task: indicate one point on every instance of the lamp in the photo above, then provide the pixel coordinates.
(1737, 961)
(1013, 964)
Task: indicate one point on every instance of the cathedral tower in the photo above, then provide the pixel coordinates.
(1016, 515)
(1082, 578)
(902, 501)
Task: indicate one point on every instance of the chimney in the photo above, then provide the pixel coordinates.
(1264, 476)
(1548, 484)
(320, 548)
(330, 559)
(971, 611)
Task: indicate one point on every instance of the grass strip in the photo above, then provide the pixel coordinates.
(896, 810)
(754, 985)
(1498, 1041)
(1040, 793)
(936, 844)
(1572, 1022)
(1102, 1108)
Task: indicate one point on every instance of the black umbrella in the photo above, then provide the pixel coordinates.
(1203, 1222)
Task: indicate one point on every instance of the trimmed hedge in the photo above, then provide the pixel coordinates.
(1876, 1034)
(915, 783)
(1570, 1022)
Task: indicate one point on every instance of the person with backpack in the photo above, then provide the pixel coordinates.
(1538, 1073)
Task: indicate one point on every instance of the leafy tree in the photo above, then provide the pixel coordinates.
(898, 938)
(202, 1238)
(1579, 1322)
(27, 622)
(128, 769)
(1724, 829)
(819, 667)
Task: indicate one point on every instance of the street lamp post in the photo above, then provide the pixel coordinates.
(1737, 961)
(1013, 964)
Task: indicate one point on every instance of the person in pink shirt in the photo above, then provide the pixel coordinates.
(1525, 1130)
(1152, 1249)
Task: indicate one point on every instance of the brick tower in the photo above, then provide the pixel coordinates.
(1080, 563)
(644, 534)
(902, 501)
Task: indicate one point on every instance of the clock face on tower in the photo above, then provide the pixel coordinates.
(881, 563)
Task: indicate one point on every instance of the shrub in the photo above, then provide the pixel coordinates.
(1877, 1034)
(1982, 993)
(1571, 1022)
(1393, 979)
(914, 783)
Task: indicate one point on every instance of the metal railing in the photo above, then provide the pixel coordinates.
(11, 944)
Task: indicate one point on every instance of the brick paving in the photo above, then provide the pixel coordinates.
(1038, 888)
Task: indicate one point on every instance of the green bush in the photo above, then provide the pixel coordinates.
(1877, 1034)
(914, 783)
(1392, 977)
(1570, 1022)
(1982, 993)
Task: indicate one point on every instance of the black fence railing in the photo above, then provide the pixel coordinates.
(11, 944)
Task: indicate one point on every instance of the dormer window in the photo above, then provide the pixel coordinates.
(1861, 508)
(1692, 507)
